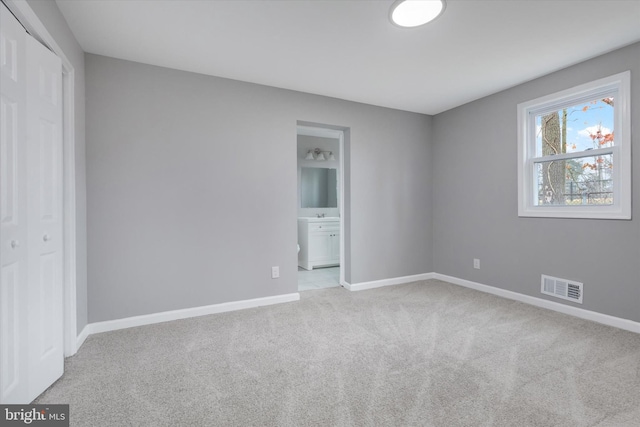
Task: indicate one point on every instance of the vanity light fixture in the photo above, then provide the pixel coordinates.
(413, 13)
(318, 154)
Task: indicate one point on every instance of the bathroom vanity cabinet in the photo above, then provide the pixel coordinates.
(319, 240)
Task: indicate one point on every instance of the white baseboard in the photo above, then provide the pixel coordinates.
(387, 282)
(166, 316)
(130, 322)
(628, 325)
(82, 336)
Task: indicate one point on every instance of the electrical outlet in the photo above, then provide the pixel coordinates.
(275, 272)
(476, 263)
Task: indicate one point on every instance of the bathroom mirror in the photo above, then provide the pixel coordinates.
(319, 188)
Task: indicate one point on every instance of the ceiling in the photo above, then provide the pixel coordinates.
(349, 50)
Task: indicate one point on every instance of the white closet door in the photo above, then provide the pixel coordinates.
(31, 251)
(13, 211)
(44, 181)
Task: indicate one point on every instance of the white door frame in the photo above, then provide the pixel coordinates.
(36, 28)
(339, 135)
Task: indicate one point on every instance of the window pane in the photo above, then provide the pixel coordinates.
(581, 127)
(579, 181)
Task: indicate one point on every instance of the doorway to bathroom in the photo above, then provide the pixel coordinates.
(320, 166)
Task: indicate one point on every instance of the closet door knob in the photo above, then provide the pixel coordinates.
(46, 238)
(14, 244)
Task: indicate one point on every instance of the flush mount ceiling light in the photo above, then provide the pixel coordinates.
(413, 13)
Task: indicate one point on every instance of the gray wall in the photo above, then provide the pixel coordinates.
(475, 211)
(50, 16)
(192, 192)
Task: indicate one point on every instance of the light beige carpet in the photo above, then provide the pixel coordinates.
(421, 354)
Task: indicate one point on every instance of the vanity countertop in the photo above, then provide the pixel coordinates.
(316, 219)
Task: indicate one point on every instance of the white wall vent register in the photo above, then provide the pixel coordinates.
(562, 288)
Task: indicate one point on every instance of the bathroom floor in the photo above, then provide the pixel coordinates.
(318, 278)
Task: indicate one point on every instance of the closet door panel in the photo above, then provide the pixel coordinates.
(44, 170)
(13, 212)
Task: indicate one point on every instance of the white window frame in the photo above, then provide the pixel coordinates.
(619, 84)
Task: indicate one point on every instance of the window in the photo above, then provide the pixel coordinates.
(574, 152)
